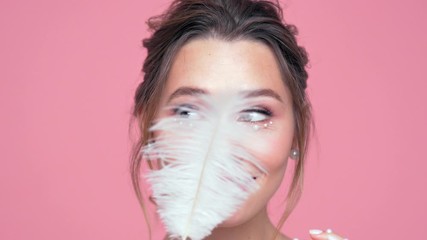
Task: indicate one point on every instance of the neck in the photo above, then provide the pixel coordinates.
(259, 227)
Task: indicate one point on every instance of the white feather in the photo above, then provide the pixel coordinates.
(205, 174)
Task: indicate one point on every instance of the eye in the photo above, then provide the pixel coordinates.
(254, 115)
(186, 111)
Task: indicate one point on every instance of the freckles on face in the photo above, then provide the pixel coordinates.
(211, 66)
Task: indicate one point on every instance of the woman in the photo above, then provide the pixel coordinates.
(206, 47)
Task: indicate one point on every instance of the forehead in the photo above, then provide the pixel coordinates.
(218, 65)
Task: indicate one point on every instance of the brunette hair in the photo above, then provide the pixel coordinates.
(228, 20)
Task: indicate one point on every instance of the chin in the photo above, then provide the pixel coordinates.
(238, 218)
(250, 208)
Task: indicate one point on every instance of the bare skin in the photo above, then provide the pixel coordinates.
(211, 66)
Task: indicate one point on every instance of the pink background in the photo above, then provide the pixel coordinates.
(69, 70)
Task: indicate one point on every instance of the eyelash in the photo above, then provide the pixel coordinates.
(184, 108)
(189, 109)
(267, 114)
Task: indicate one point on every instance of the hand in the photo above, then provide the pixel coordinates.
(316, 234)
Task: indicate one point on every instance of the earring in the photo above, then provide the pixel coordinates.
(294, 154)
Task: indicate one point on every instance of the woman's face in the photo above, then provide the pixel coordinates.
(211, 66)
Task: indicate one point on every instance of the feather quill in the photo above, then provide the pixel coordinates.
(206, 171)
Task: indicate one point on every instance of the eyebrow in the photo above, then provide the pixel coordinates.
(186, 91)
(265, 92)
(193, 91)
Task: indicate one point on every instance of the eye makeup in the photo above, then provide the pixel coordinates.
(185, 110)
(256, 117)
(255, 114)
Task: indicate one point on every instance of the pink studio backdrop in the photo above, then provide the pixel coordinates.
(68, 72)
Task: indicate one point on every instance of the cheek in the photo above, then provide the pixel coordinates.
(272, 148)
(273, 153)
